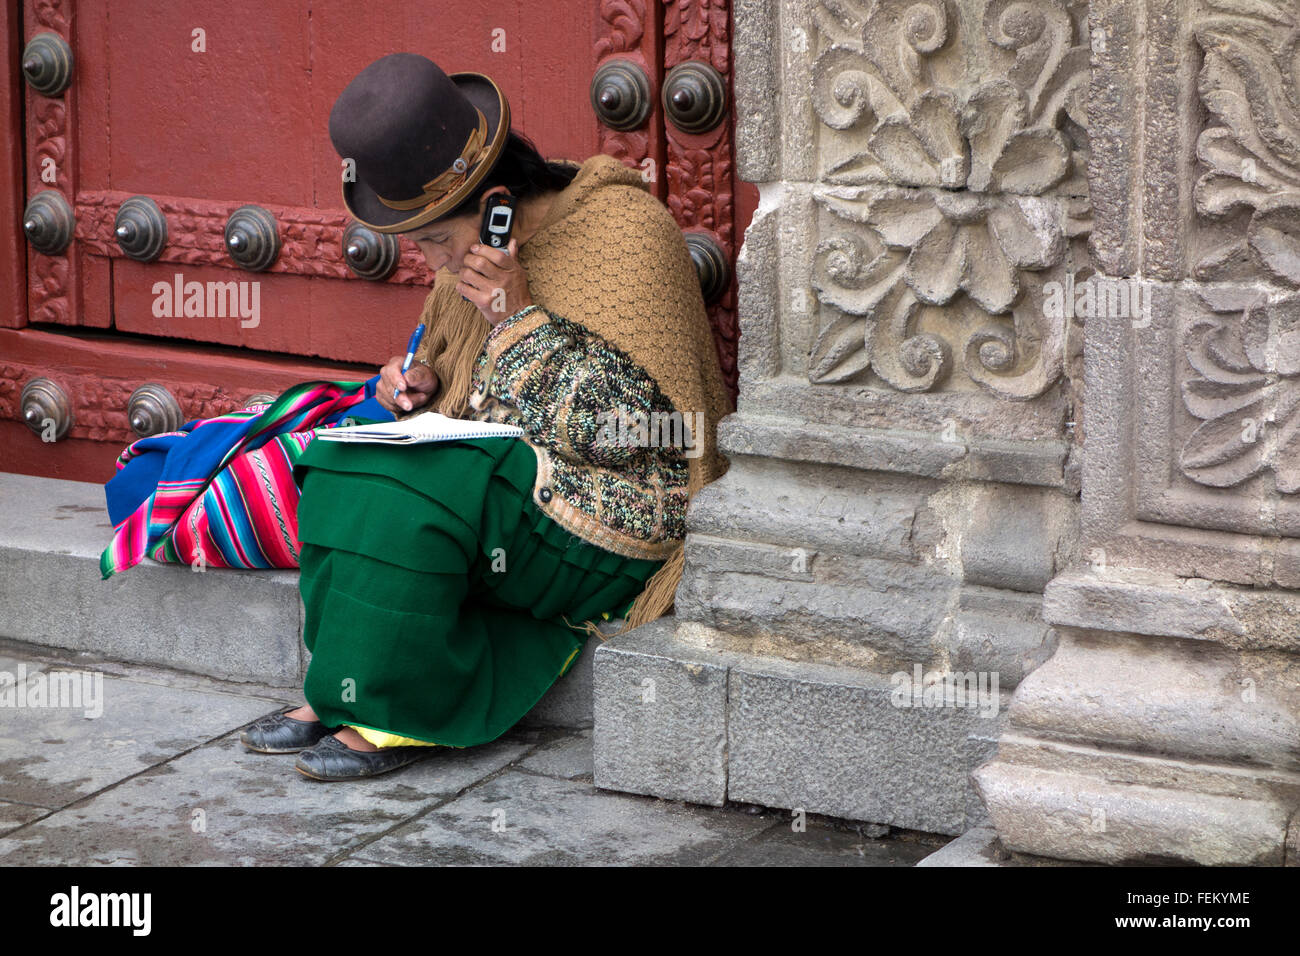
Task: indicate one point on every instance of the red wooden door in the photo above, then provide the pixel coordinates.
(206, 112)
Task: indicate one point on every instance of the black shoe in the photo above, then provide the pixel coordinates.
(280, 734)
(332, 759)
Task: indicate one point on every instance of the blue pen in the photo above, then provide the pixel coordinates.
(416, 337)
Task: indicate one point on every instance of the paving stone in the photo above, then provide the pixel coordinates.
(10, 666)
(52, 756)
(568, 757)
(13, 815)
(367, 863)
(561, 823)
(779, 845)
(221, 804)
(978, 846)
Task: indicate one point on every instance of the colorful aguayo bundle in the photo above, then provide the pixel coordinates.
(220, 492)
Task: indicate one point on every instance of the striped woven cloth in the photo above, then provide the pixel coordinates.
(220, 492)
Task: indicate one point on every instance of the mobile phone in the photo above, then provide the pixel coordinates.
(498, 221)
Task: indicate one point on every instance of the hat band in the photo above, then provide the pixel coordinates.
(476, 149)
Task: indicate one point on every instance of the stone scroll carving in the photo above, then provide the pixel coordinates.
(1250, 83)
(942, 196)
(1246, 389)
(1242, 373)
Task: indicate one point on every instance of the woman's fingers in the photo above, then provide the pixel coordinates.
(390, 380)
(421, 383)
(402, 393)
(420, 378)
(478, 290)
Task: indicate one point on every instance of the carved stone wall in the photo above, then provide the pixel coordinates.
(1155, 733)
(904, 478)
(930, 166)
(1020, 397)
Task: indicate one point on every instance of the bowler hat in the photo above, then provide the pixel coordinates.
(420, 140)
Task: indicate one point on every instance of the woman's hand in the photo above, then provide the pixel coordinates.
(494, 281)
(418, 385)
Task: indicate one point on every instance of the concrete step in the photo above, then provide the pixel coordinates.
(233, 625)
(681, 717)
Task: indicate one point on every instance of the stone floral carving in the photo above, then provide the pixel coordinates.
(1250, 82)
(1247, 392)
(961, 188)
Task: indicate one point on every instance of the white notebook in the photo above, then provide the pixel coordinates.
(429, 426)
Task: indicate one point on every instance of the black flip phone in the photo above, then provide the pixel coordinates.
(498, 221)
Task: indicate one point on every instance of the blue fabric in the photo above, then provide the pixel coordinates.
(371, 408)
(201, 453)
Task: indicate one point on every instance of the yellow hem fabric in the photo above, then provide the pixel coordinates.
(382, 738)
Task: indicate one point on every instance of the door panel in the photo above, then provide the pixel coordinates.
(245, 121)
(229, 123)
(542, 60)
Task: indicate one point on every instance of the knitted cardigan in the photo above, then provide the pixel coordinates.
(579, 400)
(618, 339)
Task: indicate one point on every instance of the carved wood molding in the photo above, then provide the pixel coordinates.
(99, 404)
(52, 290)
(311, 239)
(624, 35)
(700, 168)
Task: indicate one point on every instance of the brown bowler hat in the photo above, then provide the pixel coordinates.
(421, 140)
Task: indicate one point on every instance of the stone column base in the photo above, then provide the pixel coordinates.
(1166, 732)
(681, 714)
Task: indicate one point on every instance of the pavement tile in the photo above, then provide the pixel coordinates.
(568, 757)
(779, 845)
(221, 804)
(543, 821)
(13, 815)
(52, 756)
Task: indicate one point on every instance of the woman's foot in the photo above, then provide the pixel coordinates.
(354, 741)
(342, 757)
(346, 735)
(285, 733)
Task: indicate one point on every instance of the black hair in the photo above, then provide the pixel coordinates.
(522, 170)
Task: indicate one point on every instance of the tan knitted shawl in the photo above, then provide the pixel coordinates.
(609, 256)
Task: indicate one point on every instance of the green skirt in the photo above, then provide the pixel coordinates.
(436, 591)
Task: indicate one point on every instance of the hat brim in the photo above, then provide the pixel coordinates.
(368, 209)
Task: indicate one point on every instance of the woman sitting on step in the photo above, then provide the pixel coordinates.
(447, 585)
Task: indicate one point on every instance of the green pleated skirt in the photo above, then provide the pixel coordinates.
(441, 603)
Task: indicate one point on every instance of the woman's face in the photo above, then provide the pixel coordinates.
(446, 242)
